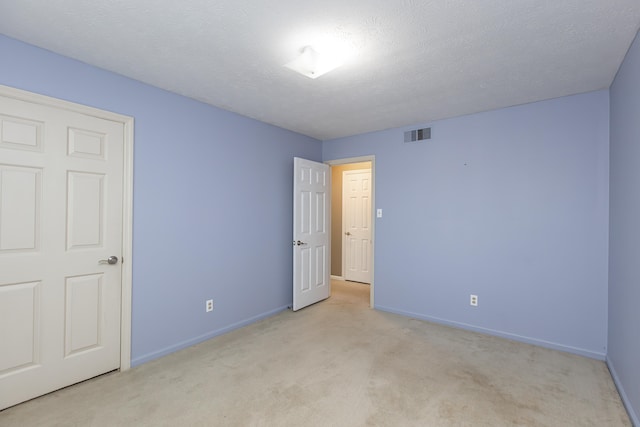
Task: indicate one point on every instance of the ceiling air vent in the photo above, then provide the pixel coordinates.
(417, 135)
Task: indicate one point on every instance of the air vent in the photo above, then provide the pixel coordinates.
(417, 135)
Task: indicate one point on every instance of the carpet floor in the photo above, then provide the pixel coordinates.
(339, 363)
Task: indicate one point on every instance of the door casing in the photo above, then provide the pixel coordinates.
(127, 202)
(371, 159)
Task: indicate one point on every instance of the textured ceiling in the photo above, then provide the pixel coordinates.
(412, 61)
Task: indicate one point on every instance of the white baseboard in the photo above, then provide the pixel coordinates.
(337, 278)
(212, 334)
(528, 340)
(623, 394)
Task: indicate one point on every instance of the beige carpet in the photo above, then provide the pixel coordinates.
(339, 363)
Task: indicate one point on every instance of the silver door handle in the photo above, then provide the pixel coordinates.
(347, 233)
(111, 260)
(299, 243)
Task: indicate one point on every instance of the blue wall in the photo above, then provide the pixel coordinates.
(624, 232)
(511, 205)
(212, 201)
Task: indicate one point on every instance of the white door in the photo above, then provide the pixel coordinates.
(61, 184)
(311, 227)
(356, 224)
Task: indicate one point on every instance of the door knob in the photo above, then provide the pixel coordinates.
(299, 243)
(347, 233)
(111, 260)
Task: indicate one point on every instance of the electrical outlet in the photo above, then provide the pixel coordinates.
(209, 305)
(473, 300)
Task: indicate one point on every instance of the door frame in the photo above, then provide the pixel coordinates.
(371, 159)
(127, 201)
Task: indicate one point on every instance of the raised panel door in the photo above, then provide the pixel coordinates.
(61, 184)
(310, 233)
(356, 222)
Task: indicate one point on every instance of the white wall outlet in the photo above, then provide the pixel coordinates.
(209, 305)
(473, 300)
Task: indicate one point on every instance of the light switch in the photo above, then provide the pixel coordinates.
(379, 213)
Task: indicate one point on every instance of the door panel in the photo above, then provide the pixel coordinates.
(19, 208)
(83, 143)
(19, 303)
(356, 222)
(85, 196)
(20, 133)
(61, 190)
(83, 313)
(310, 233)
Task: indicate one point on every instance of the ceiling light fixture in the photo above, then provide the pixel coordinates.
(313, 64)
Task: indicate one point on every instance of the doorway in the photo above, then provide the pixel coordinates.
(338, 255)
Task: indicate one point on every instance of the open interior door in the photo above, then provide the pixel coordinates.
(311, 250)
